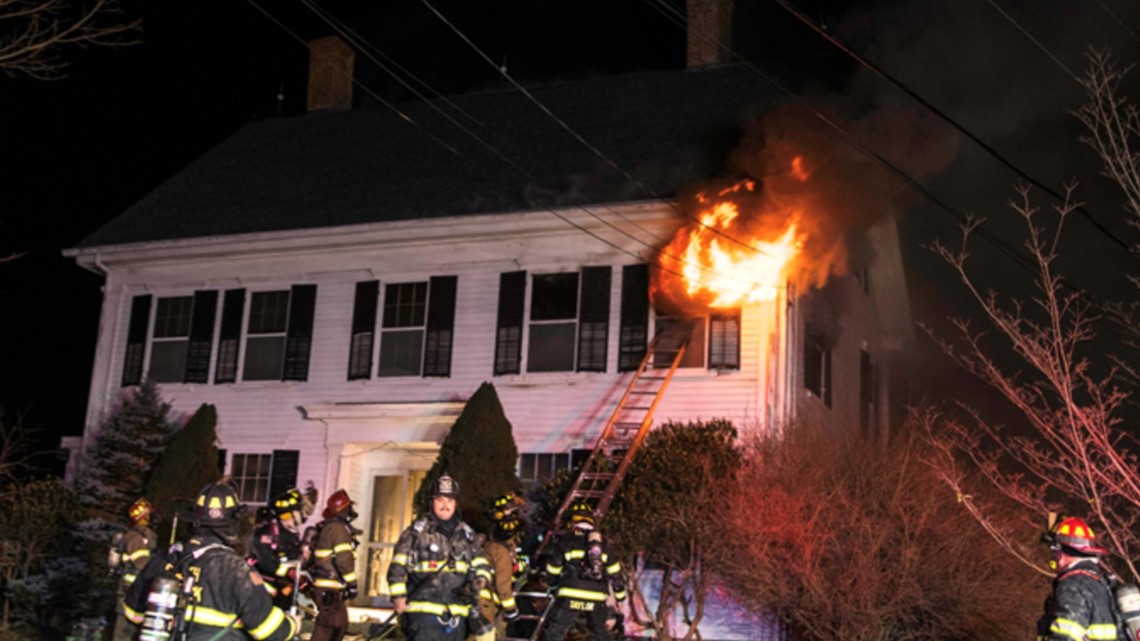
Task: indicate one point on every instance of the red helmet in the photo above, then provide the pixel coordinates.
(1075, 537)
(337, 503)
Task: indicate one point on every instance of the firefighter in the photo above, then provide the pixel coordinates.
(1081, 606)
(276, 548)
(437, 572)
(131, 550)
(334, 567)
(227, 599)
(497, 601)
(584, 575)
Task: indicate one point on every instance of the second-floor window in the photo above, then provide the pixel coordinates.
(170, 339)
(566, 327)
(817, 364)
(714, 341)
(416, 328)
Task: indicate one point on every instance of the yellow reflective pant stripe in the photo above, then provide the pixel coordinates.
(328, 584)
(397, 589)
(342, 547)
(1068, 628)
(555, 570)
(269, 625)
(581, 595)
(132, 616)
(427, 607)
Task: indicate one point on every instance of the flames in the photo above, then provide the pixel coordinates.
(729, 255)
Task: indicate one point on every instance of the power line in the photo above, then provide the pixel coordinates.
(948, 119)
(576, 135)
(512, 163)
(1040, 46)
(1118, 21)
(403, 116)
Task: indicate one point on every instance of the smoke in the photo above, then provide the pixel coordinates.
(841, 192)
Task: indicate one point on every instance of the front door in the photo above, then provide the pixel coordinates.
(391, 512)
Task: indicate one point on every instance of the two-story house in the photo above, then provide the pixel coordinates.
(338, 284)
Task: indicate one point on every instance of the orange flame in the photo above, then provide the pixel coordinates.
(719, 264)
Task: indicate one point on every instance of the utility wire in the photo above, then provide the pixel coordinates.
(403, 116)
(512, 163)
(576, 135)
(1040, 46)
(1017, 257)
(1120, 22)
(355, 39)
(814, 26)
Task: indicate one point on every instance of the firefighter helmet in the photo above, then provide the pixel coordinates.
(289, 502)
(508, 527)
(216, 505)
(337, 503)
(580, 515)
(139, 510)
(1074, 536)
(504, 506)
(445, 486)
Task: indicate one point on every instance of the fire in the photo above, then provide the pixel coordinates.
(728, 259)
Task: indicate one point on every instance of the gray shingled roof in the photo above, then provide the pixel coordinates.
(368, 165)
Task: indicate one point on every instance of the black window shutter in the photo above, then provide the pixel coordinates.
(440, 325)
(284, 472)
(299, 336)
(136, 340)
(221, 462)
(229, 338)
(363, 330)
(633, 335)
(201, 336)
(508, 331)
(594, 319)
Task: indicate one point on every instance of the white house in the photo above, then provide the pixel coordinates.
(338, 284)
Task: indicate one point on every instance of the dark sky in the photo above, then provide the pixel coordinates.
(80, 150)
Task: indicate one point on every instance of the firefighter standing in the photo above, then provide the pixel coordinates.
(437, 572)
(334, 568)
(501, 551)
(227, 600)
(131, 551)
(1081, 606)
(276, 548)
(581, 566)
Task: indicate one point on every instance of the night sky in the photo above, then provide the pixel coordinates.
(81, 150)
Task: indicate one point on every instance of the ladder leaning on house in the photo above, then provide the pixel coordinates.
(602, 473)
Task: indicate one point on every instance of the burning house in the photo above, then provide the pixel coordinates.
(338, 284)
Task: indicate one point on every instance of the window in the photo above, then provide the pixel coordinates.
(553, 323)
(537, 468)
(568, 327)
(868, 394)
(250, 474)
(279, 334)
(261, 477)
(170, 339)
(416, 328)
(724, 341)
(817, 365)
(265, 335)
(714, 341)
(180, 335)
(402, 329)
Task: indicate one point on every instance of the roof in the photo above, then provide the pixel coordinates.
(368, 165)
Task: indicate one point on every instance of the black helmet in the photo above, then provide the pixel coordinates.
(289, 502)
(505, 506)
(445, 486)
(216, 505)
(507, 528)
(580, 515)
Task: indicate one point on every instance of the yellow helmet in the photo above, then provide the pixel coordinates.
(139, 510)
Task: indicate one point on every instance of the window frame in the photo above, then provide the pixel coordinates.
(248, 335)
(241, 480)
(383, 330)
(570, 323)
(185, 322)
(818, 378)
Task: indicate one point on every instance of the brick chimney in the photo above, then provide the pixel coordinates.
(330, 74)
(710, 32)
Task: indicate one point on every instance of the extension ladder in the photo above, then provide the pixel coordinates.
(602, 473)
